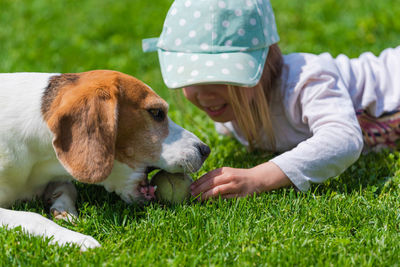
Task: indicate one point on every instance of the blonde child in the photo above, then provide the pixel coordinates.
(223, 53)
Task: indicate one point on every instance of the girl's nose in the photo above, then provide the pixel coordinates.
(206, 95)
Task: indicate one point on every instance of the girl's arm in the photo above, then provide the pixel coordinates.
(232, 182)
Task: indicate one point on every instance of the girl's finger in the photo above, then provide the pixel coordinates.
(217, 191)
(205, 177)
(209, 183)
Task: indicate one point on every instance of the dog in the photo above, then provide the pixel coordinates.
(98, 127)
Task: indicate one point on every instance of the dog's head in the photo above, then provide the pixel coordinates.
(101, 116)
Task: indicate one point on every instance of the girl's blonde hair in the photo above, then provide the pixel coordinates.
(251, 105)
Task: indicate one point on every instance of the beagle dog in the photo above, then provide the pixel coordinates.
(99, 127)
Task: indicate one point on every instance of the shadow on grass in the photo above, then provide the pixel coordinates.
(92, 201)
(112, 208)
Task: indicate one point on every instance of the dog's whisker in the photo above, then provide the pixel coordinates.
(189, 166)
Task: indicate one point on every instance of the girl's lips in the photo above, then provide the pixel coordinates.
(216, 110)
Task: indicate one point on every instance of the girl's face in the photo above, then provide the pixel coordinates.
(213, 99)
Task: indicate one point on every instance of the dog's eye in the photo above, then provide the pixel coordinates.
(157, 114)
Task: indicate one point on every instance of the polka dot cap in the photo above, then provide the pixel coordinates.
(214, 41)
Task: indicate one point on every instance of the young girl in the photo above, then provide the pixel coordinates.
(309, 107)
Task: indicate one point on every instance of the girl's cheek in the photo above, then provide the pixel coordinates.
(190, 96)
(186, 94)
(184, 90)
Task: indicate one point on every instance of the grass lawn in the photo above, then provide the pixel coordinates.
(353, 219)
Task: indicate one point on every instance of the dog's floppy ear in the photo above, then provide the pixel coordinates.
(84, 124)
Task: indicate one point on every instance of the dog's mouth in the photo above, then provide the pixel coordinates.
(147, 190)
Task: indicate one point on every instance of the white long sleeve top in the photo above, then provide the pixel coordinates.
(314, 117)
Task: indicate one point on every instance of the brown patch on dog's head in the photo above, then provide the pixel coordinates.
(142, 124)
(55, 84)
(98, 116)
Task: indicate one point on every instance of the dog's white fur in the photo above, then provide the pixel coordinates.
(28, 162)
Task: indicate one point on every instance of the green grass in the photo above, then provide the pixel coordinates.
(353, 219)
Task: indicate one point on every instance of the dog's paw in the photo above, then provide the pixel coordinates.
(64, 215)
(85, 242)
(60, 199)
(88, 243)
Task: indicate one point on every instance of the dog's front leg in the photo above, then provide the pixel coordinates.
(35, 224)
(60, 197)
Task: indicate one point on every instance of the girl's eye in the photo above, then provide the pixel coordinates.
(157, 114)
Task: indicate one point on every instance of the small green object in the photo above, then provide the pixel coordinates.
(172, 188)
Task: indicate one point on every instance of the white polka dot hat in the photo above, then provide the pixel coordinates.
(214, 41)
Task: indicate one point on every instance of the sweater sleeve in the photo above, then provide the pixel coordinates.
(336, 140)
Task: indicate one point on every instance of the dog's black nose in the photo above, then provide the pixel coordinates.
(204, 150)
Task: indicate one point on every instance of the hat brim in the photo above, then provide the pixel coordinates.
(236, 68)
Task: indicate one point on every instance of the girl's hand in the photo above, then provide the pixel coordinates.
(231, 182)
